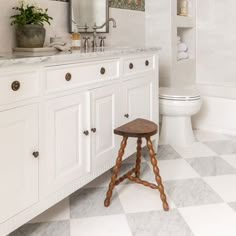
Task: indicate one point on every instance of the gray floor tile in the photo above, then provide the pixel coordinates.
(89, 202)
(222, 147)
(61, 228)
(158, 223)
(166, 152)
(211, 166)
(191, 192)
(233, 205)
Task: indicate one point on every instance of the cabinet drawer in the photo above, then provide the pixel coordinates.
(62, 77)
(138, 65)
(17, 87)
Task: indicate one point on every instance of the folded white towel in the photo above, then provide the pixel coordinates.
(182, 47)
(182, 55)
(61, 46)
(178, 38)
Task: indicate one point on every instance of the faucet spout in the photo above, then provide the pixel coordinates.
(107, 21)
(95, 28)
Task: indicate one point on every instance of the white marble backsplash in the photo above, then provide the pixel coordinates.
(130, 29)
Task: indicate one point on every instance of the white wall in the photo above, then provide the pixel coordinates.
(130, 29)
(216, 41)
(158, 33)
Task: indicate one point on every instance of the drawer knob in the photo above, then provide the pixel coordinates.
(147, 62)
(36, 154)
(86, 133)
(127, 116)
(94, 130)
(131, 66)
(15, 85)
(103, 71)
(68, 76)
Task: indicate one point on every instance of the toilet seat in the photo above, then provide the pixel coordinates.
(179, 94)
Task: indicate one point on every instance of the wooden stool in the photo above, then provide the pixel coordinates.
(138, 128)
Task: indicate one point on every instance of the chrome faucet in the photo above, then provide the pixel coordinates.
(95, 28)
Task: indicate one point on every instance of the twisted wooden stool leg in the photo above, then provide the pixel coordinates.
(157, 174)
(115, 171)
(138, 160)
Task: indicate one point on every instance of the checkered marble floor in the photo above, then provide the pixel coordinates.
(199, 181)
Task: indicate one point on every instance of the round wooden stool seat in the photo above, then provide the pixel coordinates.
(137, 128)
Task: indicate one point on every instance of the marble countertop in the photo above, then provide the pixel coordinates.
(10, 59)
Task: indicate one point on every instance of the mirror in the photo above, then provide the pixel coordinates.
(88, 12)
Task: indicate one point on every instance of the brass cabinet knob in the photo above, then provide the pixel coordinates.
(15, 85)
(86, 132)
(68, 76)
(127, 115)
(94, 130)
(36, 154)
(103, 71)
(131, 66)
(147, 62)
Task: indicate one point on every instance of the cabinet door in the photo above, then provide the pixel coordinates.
(18, 166)
(104, 118)
(66, 154)
(140, 99)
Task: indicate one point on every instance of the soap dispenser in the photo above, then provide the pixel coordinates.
(75, 40)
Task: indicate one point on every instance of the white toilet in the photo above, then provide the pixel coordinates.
(177, 105)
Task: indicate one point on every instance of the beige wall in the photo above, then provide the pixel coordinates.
(130, 29)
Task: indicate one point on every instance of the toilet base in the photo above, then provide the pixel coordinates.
(177, 131)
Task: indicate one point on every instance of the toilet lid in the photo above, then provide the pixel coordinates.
(180, 94)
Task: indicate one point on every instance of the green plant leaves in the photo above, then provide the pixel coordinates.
(30, 15)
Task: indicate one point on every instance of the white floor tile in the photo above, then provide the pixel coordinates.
(231, 159)
(137, 198)
(195, 150)
(205, 136)
(210, 220)
(61, 211)
(176, 169)
(223, 185)
(115, 225)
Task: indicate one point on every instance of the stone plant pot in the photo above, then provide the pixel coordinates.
(30, 36)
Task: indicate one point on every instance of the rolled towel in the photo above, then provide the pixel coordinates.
(182, 55)
(61, 46)
(182, 47)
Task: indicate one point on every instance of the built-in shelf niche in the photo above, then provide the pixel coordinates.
(187, 36)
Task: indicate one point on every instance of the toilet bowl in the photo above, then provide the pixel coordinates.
(177, 106)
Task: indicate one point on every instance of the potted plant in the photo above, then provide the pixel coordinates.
(29, 22)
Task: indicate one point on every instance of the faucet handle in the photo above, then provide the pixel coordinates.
(102, 41)
(86, 42)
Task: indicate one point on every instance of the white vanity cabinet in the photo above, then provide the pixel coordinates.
(18, 160)
(59, 136)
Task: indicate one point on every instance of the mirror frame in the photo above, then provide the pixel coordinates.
(104, 30)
